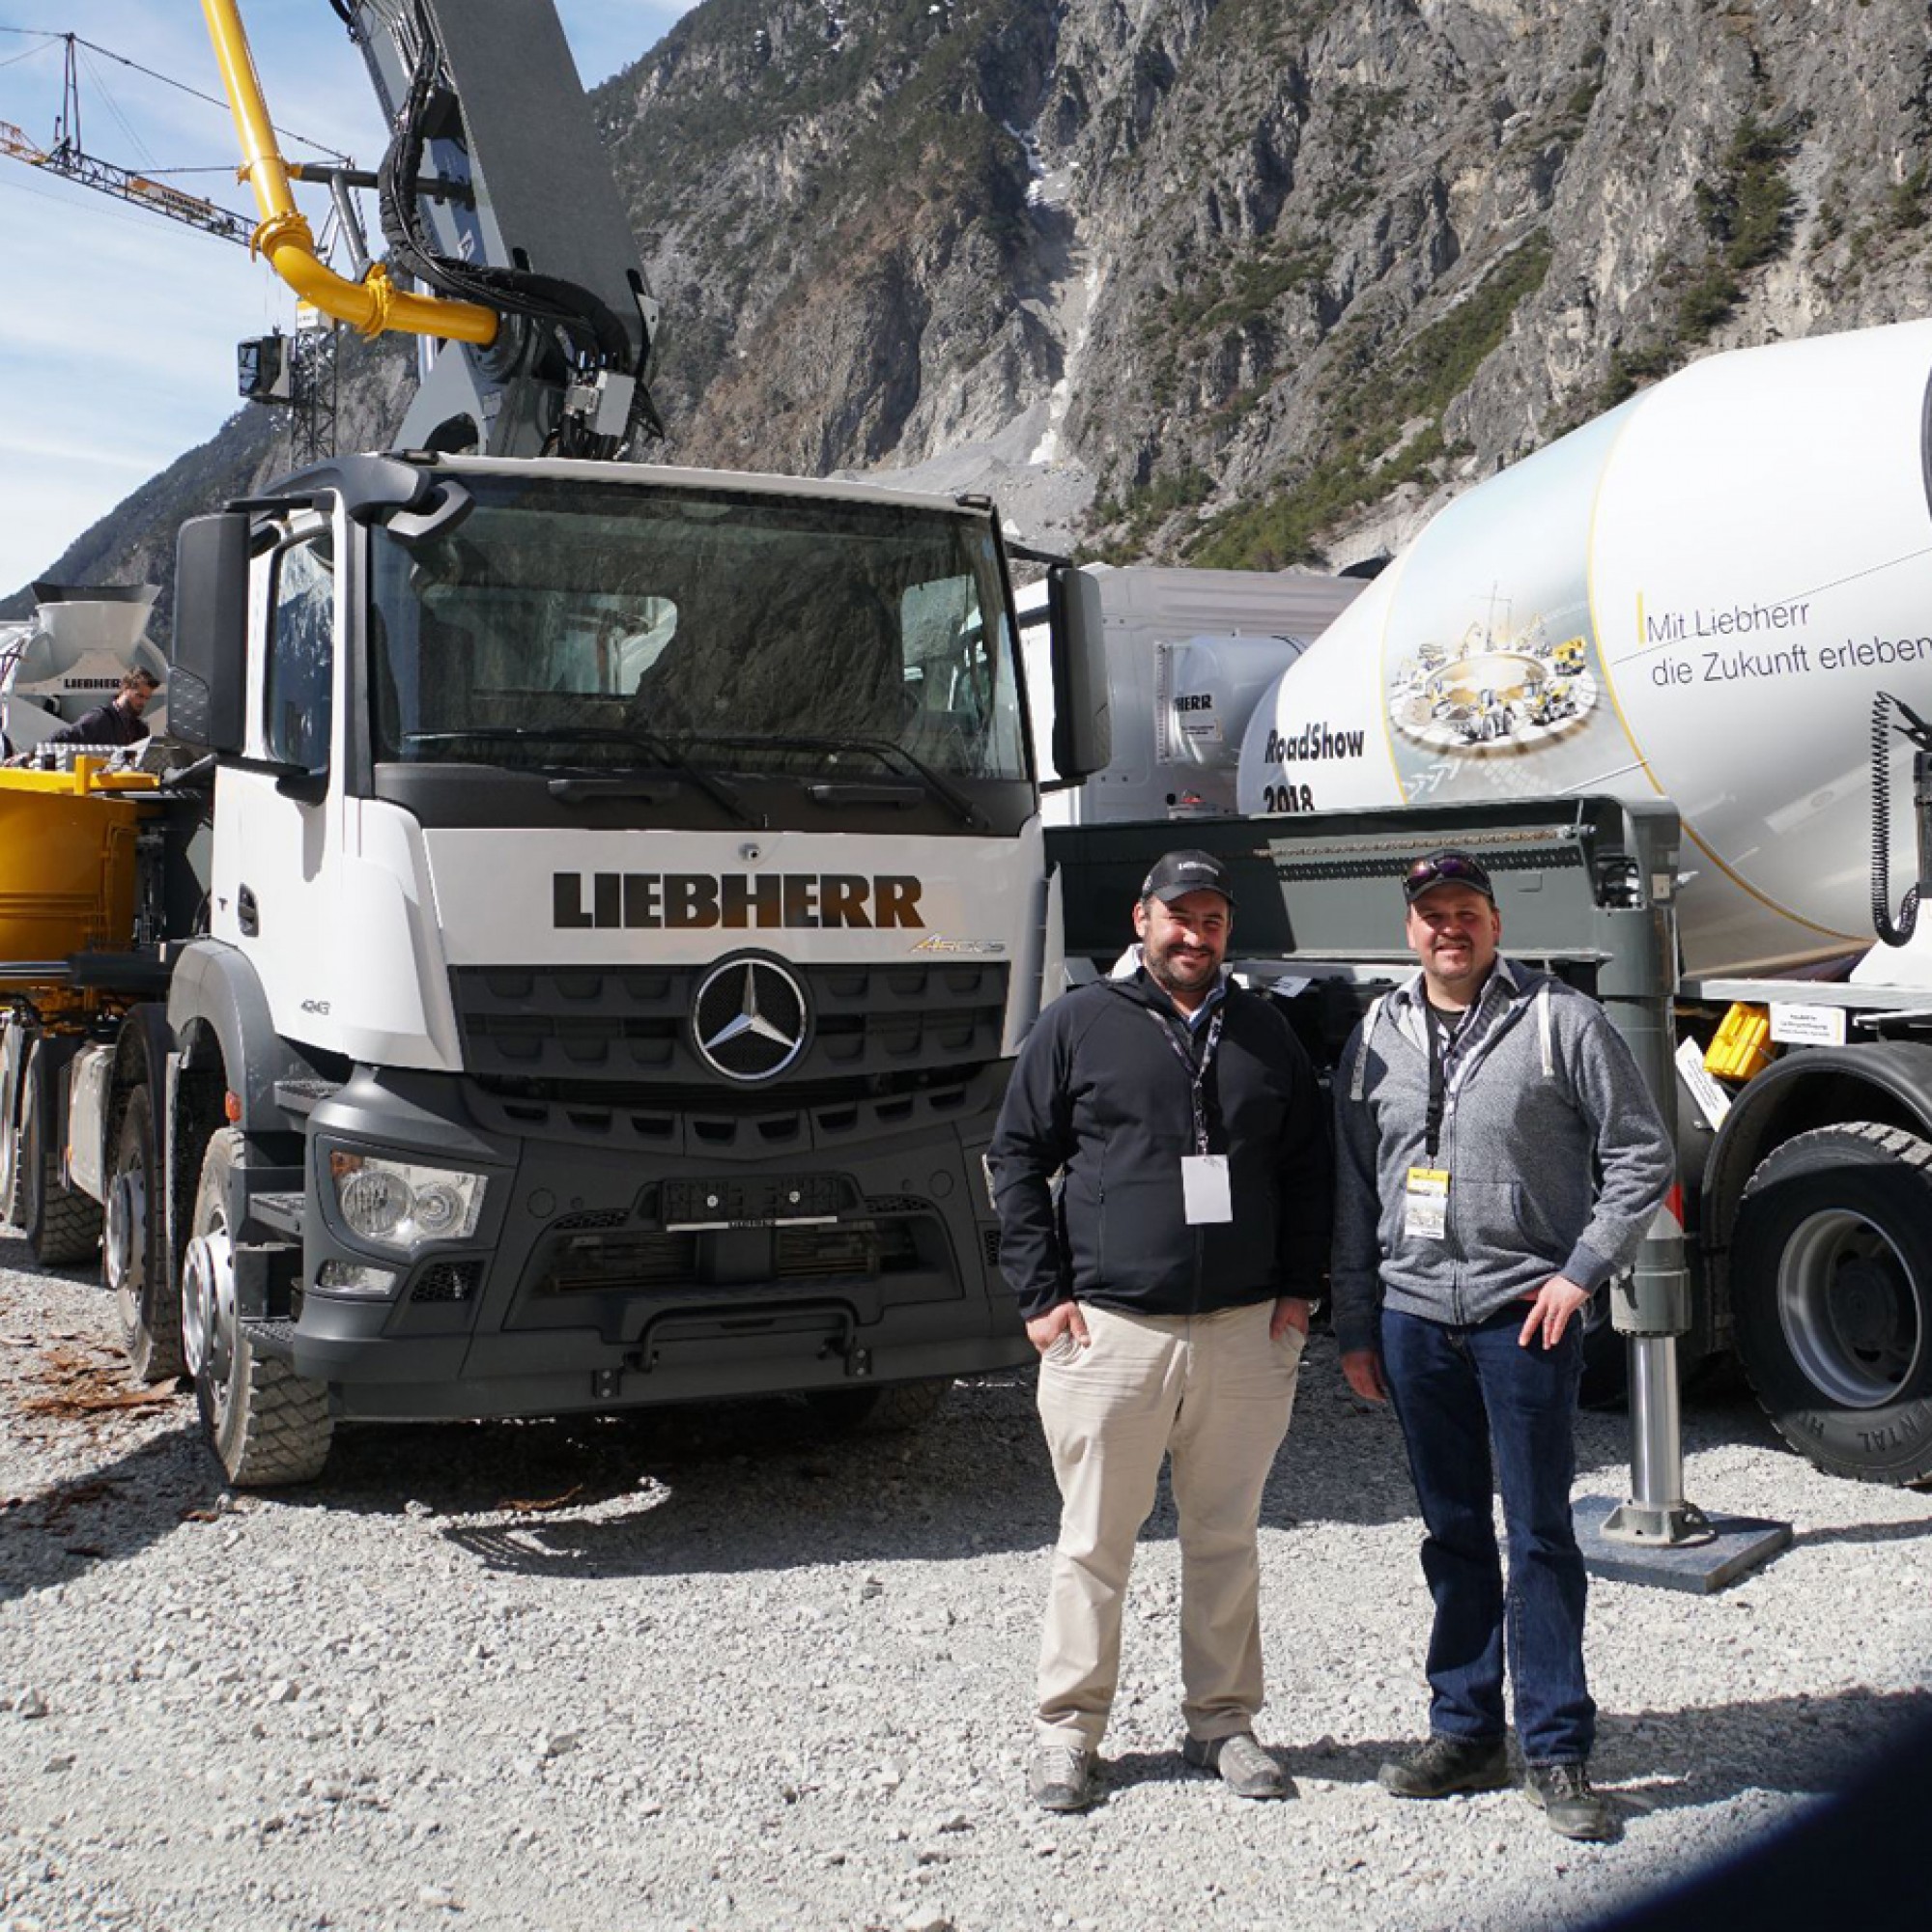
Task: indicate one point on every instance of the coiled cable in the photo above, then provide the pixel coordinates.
(1896, 933)
(594, 331)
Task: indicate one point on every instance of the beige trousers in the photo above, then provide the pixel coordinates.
(1215, 1393)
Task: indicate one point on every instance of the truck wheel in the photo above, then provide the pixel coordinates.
(892, 1408)
(134, 1259)
(12, 1098)
(12, 1178)
(61, 1225)
(1832, 1298)
(265, 1425)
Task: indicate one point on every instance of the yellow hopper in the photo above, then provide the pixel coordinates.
(67, 868)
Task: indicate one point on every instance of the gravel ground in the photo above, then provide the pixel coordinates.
(722, 1672)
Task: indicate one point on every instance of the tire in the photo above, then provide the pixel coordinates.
(267, 1426)
(135, 1265)
(12, 1178)
(892, 1408)
(15, 1051)
(1832, 1298)
(61, 1225)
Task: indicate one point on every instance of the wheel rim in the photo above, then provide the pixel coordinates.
(126, 1243)
(1846, 1302)
(208, 1312)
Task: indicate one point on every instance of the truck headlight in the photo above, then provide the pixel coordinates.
(402, 1206)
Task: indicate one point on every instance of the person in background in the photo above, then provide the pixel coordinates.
(1167, 1284)
(1498, 1159)
(117, 723)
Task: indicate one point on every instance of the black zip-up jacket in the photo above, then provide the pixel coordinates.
(106, 724)
(1099, 1091)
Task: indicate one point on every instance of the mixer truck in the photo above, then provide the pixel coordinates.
(580, 966)
(1715, 602)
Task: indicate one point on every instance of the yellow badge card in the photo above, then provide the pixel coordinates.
(1426, 1204)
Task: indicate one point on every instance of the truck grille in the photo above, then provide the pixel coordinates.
(448, 1281)
(781, 1122)
(555, 1027)
(639, 1263)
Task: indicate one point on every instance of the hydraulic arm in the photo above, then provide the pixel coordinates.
(497, 206)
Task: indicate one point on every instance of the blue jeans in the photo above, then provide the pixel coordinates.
(1476, 1409)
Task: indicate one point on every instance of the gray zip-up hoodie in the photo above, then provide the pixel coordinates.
(1556, 1155)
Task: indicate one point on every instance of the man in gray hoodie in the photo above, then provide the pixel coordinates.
(1498, 1159)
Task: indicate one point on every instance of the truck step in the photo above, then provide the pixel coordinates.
(303, 1096)
(271, 1336)
(281, 1212)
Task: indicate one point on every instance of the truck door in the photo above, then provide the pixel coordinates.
(279, 832)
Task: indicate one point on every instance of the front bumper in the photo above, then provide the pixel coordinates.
(607, 1274)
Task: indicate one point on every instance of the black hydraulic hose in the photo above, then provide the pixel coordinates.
(597, 333)
(1901, 931)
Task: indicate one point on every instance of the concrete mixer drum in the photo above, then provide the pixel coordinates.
(82, 641)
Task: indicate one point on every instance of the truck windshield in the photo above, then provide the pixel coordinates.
(584, 624)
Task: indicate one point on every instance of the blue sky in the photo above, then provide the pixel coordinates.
(117, 327)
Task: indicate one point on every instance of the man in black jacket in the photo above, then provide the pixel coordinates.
(117, 723)
(1167, 1284)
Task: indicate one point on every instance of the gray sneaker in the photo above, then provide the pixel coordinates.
(1568, 1801)
(1060, 1777)
(1446, 1765)
(1246, 1769)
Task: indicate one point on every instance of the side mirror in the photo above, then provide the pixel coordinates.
(1083, 734)
(208, 681)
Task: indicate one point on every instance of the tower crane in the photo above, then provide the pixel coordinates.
(296, 372)
(67, 156)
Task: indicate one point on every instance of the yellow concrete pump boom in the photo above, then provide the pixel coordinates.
(284, 238)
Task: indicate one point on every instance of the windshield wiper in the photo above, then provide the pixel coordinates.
(904, 793)
(967, 813)
(573, 791)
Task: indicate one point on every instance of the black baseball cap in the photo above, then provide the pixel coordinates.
(1175, 874)
(1446, 868)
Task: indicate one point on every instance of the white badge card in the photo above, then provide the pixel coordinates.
(1205, 1188)
(1426, 1204)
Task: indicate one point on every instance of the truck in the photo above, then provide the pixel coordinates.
(580, 966)
(1737, 560)
(1189, 654)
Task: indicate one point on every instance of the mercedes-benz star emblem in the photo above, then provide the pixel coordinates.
(748, 1019)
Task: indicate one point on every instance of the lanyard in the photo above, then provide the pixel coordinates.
(1441, 1035)
(1197, 1072)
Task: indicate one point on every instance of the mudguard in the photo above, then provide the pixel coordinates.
(215, 997)
(1887, 1080)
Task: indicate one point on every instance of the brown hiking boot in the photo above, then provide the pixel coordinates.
(1569, 1803)
(1445, 1766)
(1061, 1779)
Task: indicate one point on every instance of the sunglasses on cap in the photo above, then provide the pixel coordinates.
(1446, 868)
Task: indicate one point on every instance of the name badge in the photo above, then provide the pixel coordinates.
(1426, 1204)
(1205, 1188)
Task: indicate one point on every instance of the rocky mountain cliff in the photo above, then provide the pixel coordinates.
(1243, 282)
